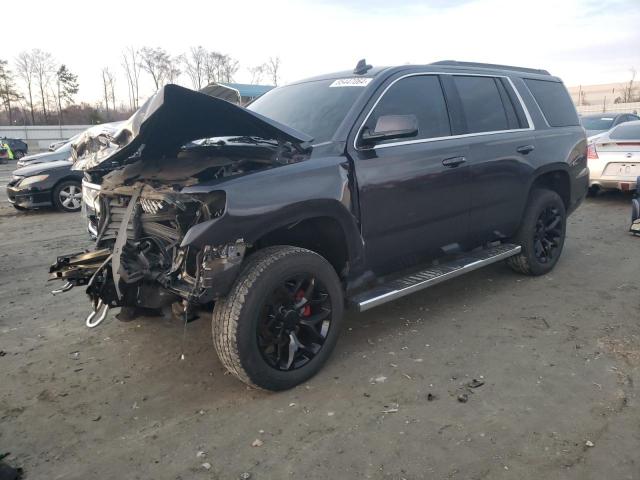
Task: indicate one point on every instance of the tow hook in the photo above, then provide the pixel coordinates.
(65, 288)
(101, 311)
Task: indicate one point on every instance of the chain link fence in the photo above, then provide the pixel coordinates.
(609, 108)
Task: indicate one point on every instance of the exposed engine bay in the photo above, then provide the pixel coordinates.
(139, 260)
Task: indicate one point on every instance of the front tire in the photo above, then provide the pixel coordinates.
(67, 196)
(280, 322)
(541, 234)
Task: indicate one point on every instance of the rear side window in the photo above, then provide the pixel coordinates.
(626, 131)
(420, 95)
(482, 104)
(554, 101)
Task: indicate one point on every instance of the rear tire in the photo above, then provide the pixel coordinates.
(67, 196)
(262, 332)
(541, 234)
(593, 191)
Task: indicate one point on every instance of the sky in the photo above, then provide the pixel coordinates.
(582, 41)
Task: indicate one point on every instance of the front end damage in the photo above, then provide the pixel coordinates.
(140, 261)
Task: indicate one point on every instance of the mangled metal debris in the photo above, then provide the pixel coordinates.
(158, 174)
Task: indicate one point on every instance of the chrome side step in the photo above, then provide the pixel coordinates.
(431, 276)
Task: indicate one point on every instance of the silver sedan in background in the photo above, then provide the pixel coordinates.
(601, 122)
(614, 158)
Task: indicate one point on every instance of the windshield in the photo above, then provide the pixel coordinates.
(64, 148)
(597, 123)
(315, 108)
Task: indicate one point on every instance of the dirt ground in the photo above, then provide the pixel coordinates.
(559, 355)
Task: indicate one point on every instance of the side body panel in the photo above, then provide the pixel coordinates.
(412, 206)
(499, 180)
(262, 202)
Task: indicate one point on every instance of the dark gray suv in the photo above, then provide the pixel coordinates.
(350, 189)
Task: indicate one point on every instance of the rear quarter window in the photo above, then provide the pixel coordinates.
(554, 101)
(626, 131)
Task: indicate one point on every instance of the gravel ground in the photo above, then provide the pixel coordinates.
(559, 357)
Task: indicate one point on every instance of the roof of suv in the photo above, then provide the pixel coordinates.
(443, 65)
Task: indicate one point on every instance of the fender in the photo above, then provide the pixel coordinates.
(262, 202)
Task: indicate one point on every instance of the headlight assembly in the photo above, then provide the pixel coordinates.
(31, 180)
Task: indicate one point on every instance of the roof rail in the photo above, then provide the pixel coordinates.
(455, 63)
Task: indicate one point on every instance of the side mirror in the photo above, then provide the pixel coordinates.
(389, 127)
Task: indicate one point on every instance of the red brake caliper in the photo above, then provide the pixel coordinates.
(306, 310)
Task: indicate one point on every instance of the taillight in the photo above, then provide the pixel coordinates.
(592, 153)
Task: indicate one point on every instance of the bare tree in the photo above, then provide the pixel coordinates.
(628, 90)
(111, 82)
(228, 68)
(105, 86)
(66, 87)
(219, 67)
(8, 93)
(173, 70)
(25, 70)
(194, 63)
(108, 87)
(131, 65)
(212, 66)
(44, 70)
(273, 69)
(257, 73)
(156, 62)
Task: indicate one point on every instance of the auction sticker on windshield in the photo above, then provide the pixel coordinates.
(351, 82)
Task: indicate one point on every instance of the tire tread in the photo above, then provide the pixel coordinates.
(227, 311)
(521, 263)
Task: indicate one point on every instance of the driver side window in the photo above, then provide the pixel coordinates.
(419, 95)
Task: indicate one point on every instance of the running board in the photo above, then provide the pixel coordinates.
(431, 276)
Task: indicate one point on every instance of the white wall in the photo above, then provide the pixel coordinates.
(610, 108)
(40, 136)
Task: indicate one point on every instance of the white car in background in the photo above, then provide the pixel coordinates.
(598, 123)
(614, 158)
(56, 145)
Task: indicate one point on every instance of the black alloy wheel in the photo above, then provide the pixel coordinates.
(541, 234)
(294, 322)
(549, 230)
(278, 325)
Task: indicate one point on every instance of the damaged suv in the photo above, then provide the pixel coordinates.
(351, 189)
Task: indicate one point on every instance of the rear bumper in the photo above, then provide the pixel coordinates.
(624, 179)
(29, 198)
(621, 183)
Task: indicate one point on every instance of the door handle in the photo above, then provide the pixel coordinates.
(453, 161)
(524, 149)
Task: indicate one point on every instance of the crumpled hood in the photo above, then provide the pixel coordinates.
(168, 120)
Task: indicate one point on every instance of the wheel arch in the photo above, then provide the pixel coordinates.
(323, 226)
(323, 235)
(554, 177)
